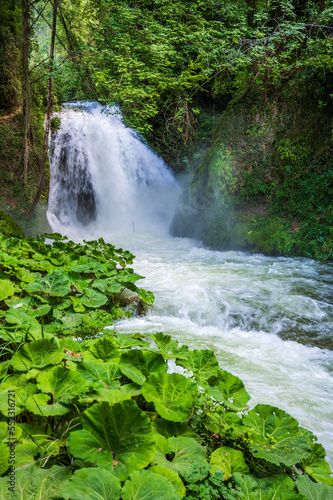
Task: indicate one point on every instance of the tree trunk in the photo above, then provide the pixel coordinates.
(251, 4)
(25, 85)
(48, 112)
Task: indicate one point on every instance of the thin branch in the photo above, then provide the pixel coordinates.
(40, 13)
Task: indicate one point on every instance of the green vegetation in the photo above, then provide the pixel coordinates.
(91, 415)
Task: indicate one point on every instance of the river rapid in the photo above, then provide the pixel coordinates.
(268, 320)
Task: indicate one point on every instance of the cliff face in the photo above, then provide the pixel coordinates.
(266, 183)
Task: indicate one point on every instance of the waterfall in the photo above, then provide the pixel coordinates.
(104, 179)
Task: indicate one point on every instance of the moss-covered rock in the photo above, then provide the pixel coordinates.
(9, 227)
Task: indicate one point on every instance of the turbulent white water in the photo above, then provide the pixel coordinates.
(269, 320)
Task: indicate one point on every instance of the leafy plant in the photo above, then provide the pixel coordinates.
(100, 417)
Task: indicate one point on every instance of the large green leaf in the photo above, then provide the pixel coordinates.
(137, 364)
(172, 429)
(92, 298)
(23, 389)
(111, 395)
(314, 491)
(119, 432)
(104, 349)
(63, 384)
(279, 487)
(168, 347)
(25, 451)
(18, 317)
(173, 477)
(35, 483)
(43, 404)
(89, 268)
(92, 484)
(38, 354)
(203, 363)
(227, 389)
(100, 374)
(275, 436)
(316, 466)
(127, 341)
(182, 455)
(172, 394)
(146, 485)
(228, 460)
(7, 289)
(56, 284)
(108, 285)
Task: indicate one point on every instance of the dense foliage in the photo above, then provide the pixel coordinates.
(86, 415)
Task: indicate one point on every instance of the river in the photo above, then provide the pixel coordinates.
(268, 320)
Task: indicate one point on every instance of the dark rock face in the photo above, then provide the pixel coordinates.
(75, 196)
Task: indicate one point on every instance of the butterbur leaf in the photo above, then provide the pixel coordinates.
(43, 404)
(227, 389)
(279, 487)
(89, 268)
(182, 455)
(111, 396)
(316, 466)
(172, 429)
(173, 477)
(137, 364)
(314, 491)
(275, 436)
(104, 349)
(146, 485)
(126, 341)
(99, 373)
(108, 285)
(203, 363)
(172, 394)
(92, 484)
(56, 284)
(119, 432)
(165, 344)
(23, 389)
(25, 452)
(38, 484)
(228, 460)
(38, 354)
(92, 298)
(63, 384)
(7, 289)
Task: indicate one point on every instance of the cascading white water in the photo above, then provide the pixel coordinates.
(105, 178)
(269, 320)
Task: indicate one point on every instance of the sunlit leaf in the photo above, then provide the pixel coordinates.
(38, 354)
(119, 432)
(172, 394)
(275, 436)
(138, 364)
(146, 485)
(56, 284)
(92, 484)
(228, 460)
